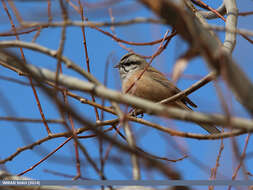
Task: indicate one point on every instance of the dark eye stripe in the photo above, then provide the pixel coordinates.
(131, 63)
(128, 63)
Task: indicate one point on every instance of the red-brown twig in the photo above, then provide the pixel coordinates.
(241, 159)
(46, 157)
(36, 34)
(49, 12)
(26, 31)
(215, 169)
(211, 9)
(245, 13)
(86, 51)
(30, 79)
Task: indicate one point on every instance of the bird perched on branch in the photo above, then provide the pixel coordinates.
(152, 85)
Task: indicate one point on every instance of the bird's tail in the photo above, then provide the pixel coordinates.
(209, 128)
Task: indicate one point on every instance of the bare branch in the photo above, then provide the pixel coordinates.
(231, 23)
(30, 120)
(136, 20)
(52, 53)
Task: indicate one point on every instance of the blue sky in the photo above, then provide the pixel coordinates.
(100, 47)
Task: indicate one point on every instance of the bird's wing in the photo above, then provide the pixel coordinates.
(159, 77)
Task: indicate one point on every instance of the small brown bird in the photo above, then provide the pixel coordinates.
(153, 85)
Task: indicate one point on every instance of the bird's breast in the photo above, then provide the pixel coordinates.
(145, 87)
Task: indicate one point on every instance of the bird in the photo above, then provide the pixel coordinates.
(153, 85)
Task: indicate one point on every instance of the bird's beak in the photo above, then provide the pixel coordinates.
(116, 66)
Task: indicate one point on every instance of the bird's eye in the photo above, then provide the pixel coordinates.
(128, 63)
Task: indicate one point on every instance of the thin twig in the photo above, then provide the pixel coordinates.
(245, 13)
(215, 169)
(241, 159)
(32, 120)
(137, 20)
(30, 79)
(211, 9)
(86, 52)
(46, 157)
